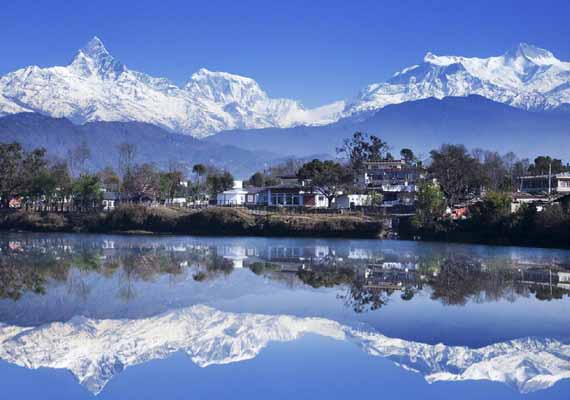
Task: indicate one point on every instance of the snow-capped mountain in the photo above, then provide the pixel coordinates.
(97, 87)
(525, 77)
(97, 350)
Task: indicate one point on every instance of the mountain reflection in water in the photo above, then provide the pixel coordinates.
(97, 304)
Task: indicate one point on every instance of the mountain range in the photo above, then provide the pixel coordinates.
(519, 101)
(97, 350)
(95, 86)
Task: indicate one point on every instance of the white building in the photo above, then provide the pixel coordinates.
(546, 184)
(232, 197)
(351, 200)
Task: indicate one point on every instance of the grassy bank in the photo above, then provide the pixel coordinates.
(211, 221)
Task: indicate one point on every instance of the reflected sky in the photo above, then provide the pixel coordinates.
(109, 309)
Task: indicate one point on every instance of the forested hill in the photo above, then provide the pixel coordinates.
(153, 144)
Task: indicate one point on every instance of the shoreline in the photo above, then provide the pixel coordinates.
(217, 221)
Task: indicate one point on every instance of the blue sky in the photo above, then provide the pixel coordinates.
(314, 51)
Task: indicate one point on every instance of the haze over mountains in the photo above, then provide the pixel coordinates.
(518, 101)
(423, 125)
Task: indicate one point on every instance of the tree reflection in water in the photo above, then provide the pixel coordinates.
(364, 283)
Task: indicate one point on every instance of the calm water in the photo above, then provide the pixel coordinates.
(124, 317)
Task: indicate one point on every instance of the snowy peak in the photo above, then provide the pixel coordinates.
(97, 87)
(95, 49)
(223, 87)
(530, 53)
(525, 76)
(94, 59)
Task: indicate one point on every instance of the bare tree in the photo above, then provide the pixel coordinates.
(77, 158)
(127, 155)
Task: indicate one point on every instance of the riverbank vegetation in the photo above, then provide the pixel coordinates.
(207, 221)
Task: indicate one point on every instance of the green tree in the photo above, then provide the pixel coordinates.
(170, 184)
(86, 191)
(430, 204)
(327, 177)
(494, 207)
(43, 185)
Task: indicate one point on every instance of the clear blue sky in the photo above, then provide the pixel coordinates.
(314, 51)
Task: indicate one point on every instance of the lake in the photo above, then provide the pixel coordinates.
(147, 317)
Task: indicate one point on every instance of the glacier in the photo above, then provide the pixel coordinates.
(95, 351)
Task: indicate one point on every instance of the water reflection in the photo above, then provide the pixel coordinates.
(96, 305)
(97, 350)
(370, 275)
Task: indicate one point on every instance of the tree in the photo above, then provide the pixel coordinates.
(199, 170)
(542, 166)
(42, 185)
(17, 169)
(430, 204)
(86, 190)
(142, 182)
(170, 184)
(60, 172)
(495, 206)
(362, 148)
(77, 157)
(127, 155)
(327, 177)
(287, 168)
(109, 179)
(219, 182)
(408, 156)
(455, 170)
(257, 180)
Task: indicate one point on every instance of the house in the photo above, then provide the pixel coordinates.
(546, 184)
(110, 200)
(290, 195)
(396, 180)
(252, 196)
(519, 199)
(176, 201)
(233, 197)
(351, 201)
